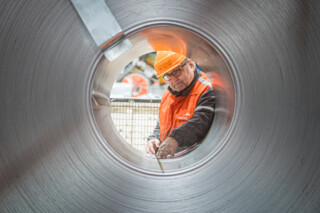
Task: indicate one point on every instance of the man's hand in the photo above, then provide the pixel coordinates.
(169, 146)
(150, 146)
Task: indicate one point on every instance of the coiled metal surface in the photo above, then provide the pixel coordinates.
(53, 158)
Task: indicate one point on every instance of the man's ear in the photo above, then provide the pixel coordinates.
(192, 65)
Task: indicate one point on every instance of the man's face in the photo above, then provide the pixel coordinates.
(181, 82)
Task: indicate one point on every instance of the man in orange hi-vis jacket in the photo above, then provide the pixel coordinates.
(187, 105)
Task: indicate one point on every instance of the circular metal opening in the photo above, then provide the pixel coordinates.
(208, 55)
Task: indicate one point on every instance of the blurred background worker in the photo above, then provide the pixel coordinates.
(187, 105)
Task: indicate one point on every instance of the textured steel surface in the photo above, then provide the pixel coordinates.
(98, 19)
(52, 158)
(102, 26)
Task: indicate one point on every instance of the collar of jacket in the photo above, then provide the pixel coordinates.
(187, 90)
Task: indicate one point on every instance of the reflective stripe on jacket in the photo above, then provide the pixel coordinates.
(175, 111)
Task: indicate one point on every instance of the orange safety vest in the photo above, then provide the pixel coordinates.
(175, 111)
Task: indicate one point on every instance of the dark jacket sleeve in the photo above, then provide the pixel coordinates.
(198, 125)
(156, 132)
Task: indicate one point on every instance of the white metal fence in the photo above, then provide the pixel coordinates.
(135, 119)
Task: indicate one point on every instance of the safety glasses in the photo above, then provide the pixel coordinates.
(176, 73)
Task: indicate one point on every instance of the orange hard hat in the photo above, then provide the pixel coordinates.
(167, 61)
